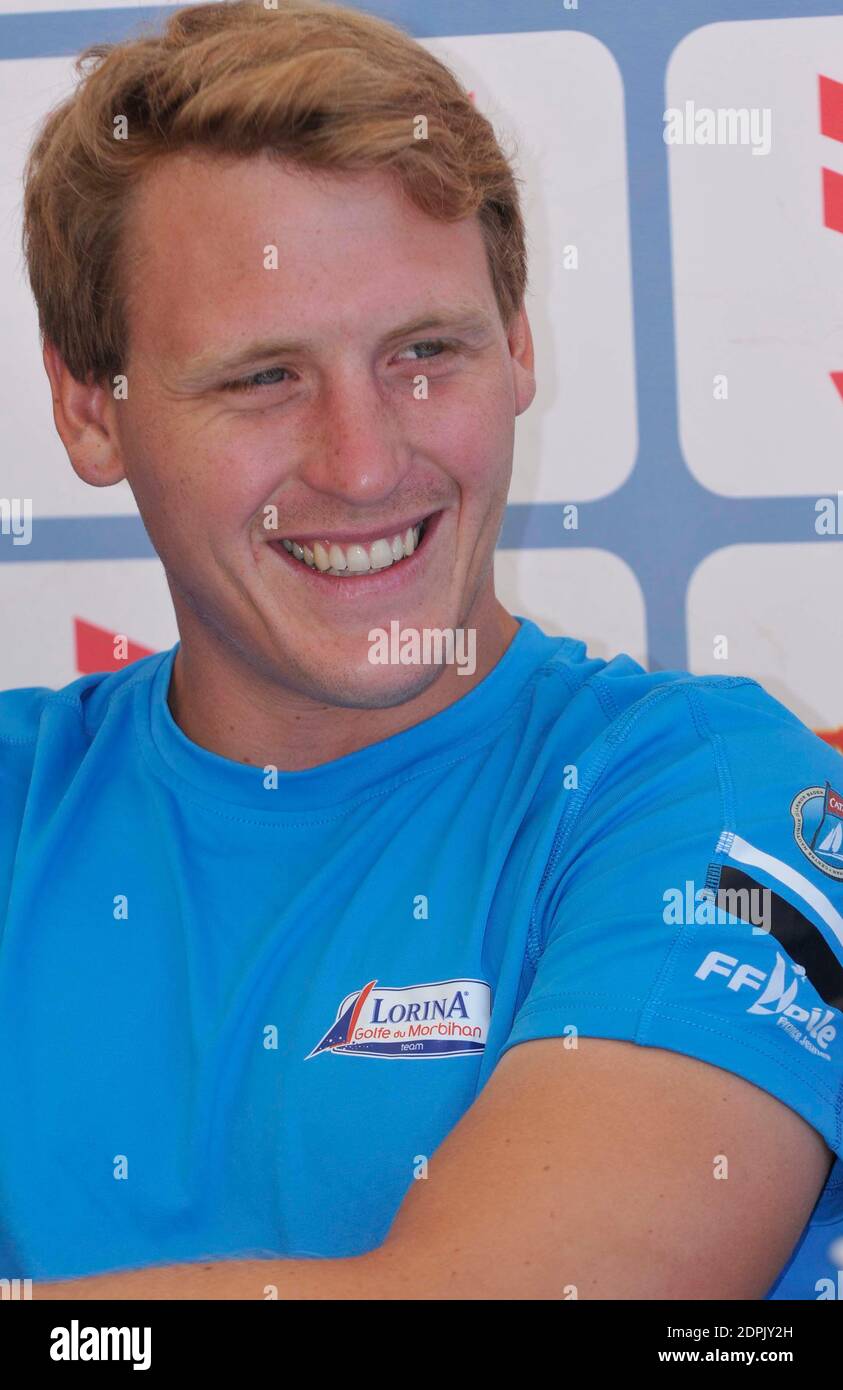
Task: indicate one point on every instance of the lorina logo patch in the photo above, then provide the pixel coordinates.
(445, 1018)
(818, 827)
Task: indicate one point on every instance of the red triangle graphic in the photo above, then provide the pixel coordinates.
(831, 108)
(832, 200)
(95, 649)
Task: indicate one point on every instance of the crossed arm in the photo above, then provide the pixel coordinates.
(594, 1172)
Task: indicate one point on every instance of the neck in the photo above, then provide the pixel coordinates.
(225, 705)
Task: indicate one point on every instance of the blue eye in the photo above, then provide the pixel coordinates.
(252, 383)
(438, 343)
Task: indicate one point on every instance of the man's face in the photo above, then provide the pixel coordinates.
(338, 446)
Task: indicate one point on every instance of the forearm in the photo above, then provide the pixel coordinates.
(356, 1277)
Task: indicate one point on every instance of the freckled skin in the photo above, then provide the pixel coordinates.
(271, 669)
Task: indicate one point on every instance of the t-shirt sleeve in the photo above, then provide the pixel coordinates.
(20, 712)
(693, 899)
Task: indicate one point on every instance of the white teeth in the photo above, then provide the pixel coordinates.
(358, 559)
(380, 555)
(354, 558)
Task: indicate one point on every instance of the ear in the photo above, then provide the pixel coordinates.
(84, 417)
(520, 339)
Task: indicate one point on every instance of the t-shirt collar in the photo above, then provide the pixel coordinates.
(374, 769)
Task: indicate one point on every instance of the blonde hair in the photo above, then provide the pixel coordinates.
(320, 85)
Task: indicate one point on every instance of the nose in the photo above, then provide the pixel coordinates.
(357, 450)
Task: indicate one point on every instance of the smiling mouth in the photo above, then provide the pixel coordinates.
(351, 560)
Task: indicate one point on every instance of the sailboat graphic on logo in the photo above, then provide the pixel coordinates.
(832, 842)
(818, 812)
(832, 806)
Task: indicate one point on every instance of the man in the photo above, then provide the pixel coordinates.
(364, 978)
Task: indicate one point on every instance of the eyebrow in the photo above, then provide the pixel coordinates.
(206, 368)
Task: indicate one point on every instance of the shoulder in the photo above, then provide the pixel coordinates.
(606, 741)
(710, 779)
(621, 688)
(685, 750)
(38, 718)
(640, 708)
(731, 726)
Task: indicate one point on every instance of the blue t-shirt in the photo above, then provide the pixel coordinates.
(240, 1007)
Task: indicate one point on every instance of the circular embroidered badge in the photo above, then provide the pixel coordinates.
(818, 828)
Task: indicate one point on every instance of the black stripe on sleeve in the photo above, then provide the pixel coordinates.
(799, 936)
